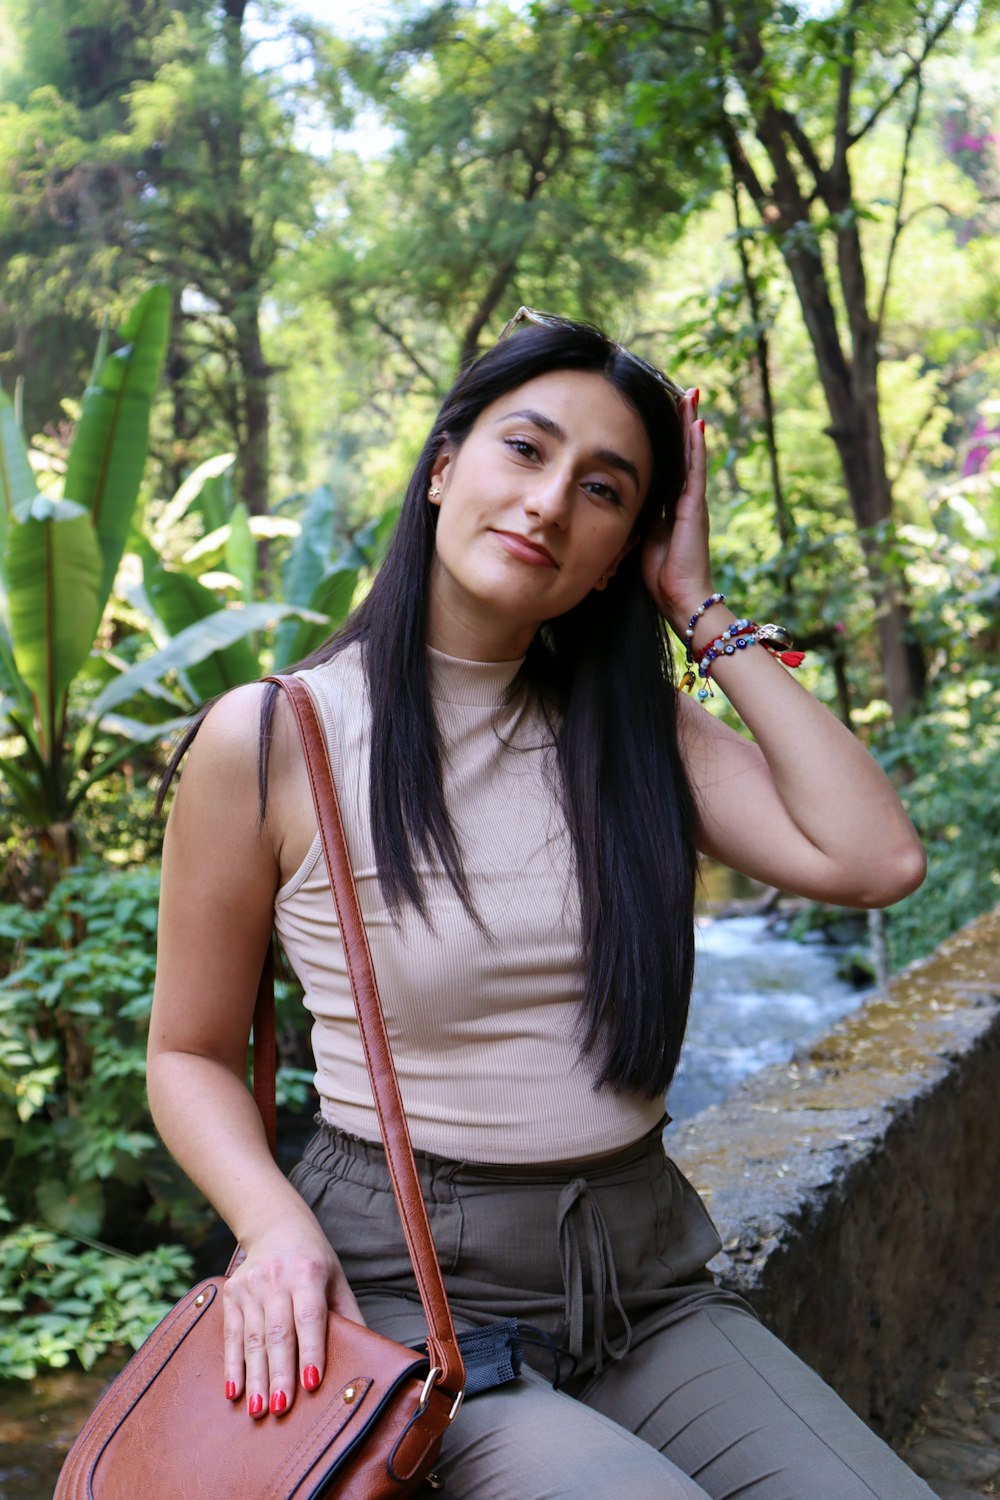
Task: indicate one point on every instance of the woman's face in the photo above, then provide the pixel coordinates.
(538, 506)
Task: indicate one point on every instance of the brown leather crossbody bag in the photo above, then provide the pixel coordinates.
(373, 1429)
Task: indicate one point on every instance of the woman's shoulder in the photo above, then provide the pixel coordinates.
(344, 667)
(231, 727)
(234, 722)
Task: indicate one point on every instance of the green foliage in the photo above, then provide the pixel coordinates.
(57, 563)
(73, 1013)
(78, 1155)
(76, 1141)
(204, 646)
(950, 755)
(61, 1298)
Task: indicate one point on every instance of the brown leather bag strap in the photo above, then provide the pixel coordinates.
(442, 1344)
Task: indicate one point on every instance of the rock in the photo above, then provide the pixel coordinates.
(968, 1431)
(947, 1458)
(945, 1490)
(962, 1409)
(990, 1422)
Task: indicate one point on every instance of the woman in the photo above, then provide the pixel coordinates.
(524, 793)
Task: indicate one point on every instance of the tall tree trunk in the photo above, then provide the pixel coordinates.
(176, 369)
(850, 384)
(782, 514)
(252, 469)
(254, 456)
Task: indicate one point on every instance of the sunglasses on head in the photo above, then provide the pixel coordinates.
(552, 320)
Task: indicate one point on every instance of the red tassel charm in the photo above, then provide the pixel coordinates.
(792, 658)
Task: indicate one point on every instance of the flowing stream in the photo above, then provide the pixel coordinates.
(757, 997)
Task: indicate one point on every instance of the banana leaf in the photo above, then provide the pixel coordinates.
(197, 488)
(373, 540)
(109, 448)
(17, 482)
(28, 791)
(53, 566)
(312, 552)
(12, 684)
(191, 646)
(136, 734)
(181, 601)
(328, 608)
(212, 547)
(241, 552)
(144, 734)
(310, 557)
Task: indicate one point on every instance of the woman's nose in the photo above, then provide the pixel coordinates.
(549, 499)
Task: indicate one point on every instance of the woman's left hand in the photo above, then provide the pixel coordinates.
(675, 561)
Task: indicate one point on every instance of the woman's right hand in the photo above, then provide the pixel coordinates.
(275, 1316)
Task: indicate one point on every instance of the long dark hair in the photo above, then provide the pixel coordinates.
(603, 670)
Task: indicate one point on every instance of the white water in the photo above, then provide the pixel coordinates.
(757, 997)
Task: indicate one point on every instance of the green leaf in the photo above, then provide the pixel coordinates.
(241, 552)
(309, 559)
(53, 565)
(17, 482)
(311, 553)
(108, 453)
(80, 1211)
(143, 734)
(12, 685)
(29, 793)
(181, 601)
(191, 492)
(193, 645)
(328, 608)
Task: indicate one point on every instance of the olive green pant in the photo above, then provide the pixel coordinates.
(678, 1391)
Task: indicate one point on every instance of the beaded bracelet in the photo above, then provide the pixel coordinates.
(738, 636)
(689, 633)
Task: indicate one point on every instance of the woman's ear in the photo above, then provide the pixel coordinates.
(438, 473)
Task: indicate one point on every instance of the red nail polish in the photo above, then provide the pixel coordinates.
(695, 399)
(255, 1405)
(278, 1403)
(701, 424)
(230, 1390)
(310, 1377)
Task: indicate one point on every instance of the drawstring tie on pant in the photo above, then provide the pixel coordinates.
(579, 1217)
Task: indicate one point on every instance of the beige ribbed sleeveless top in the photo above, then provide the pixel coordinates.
(484, 1027)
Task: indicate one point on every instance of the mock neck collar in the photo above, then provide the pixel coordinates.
(481, 684)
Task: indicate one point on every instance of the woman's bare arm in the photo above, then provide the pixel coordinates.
(216, 907)
(805, 808)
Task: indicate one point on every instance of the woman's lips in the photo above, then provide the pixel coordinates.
(531, 552)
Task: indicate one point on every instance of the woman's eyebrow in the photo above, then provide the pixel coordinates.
(606, 456)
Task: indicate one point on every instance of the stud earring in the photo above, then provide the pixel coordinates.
(602, 582)
(434, 493)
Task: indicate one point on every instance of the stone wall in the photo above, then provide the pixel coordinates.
(857, 1189)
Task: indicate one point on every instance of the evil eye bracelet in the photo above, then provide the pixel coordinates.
(738, 636)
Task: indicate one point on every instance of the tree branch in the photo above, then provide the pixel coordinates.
(842, 123)
(764, 371)
(538, 167)
(897, 227)
(930, 40)
(804, 146)
(411, 354)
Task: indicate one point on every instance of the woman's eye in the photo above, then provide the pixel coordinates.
(522, 447)
(604, 491)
